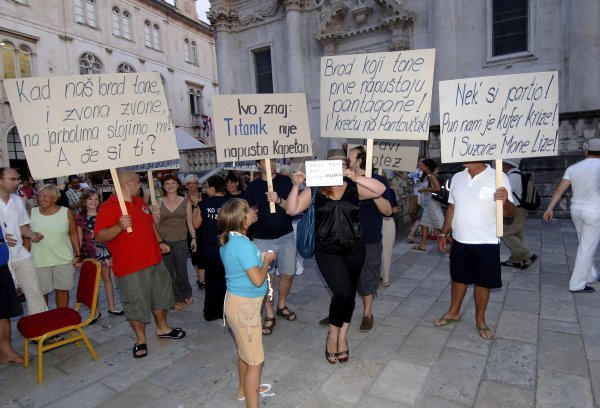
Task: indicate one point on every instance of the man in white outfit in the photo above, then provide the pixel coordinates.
(584, 178)
(13, 211)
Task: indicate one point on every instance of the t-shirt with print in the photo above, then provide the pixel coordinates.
(210, 209)
(239, 255)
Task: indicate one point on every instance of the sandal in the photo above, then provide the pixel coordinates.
(267, 330)
(287, 316)
(343, 356)
(330, 354)
(140, 347)
(485, 332)
(189, 301)
(445, 321)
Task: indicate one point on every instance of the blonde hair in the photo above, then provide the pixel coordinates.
(232, 218)
(50, 188)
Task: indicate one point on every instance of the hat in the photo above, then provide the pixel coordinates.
(336, 154)
(593, 145)
(513, 162)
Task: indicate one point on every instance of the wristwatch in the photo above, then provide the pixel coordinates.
(449, 234)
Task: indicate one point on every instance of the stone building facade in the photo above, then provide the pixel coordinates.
(283, 41)
(66, 37)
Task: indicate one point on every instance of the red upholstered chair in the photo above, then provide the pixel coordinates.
(42, 326)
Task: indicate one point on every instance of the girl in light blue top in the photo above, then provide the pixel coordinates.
(246, 275)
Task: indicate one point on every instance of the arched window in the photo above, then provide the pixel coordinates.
(25, 70)
(116, 21)
(186, 50)
(156, 37)
(194, 53)
(148, 34)
(195, 101)
(85, 12)
(126, 25)
(9, 63)
(90, 64)
(125, 68)
(16, 62)
(15, 148)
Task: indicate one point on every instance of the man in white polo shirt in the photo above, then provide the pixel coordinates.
(13, 211)
(475, 255)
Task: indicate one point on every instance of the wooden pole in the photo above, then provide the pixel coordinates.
(115, 177)
(269, 183)
(151, 187)
(369, 163)
(499, 209)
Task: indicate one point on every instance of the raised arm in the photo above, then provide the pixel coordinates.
(298, 201)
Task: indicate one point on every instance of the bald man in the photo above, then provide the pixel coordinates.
(144, 281)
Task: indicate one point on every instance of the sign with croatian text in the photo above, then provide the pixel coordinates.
(260, 126)
(398, 155)
(499, 117)
(384, 95)
(161, 165)
(324, 173)
(81, 123)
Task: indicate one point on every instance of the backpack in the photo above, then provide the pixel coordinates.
(530, 199)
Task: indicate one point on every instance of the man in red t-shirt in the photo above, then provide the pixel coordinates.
(144, 281)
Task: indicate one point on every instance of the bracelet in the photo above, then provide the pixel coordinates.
(193, 237)
(161, 242)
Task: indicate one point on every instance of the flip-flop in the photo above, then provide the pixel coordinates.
(485, 332)
(419, 249)
(411, 241)
(175, 334)
(266, 389)
(140, 347)
(445, 321)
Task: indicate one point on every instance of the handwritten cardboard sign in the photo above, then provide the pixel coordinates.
(499, 117)
(161, 165)
(386, 95)
(247, 166)
(398, 155)
(81, 123)
(252, 127)
(324, 173)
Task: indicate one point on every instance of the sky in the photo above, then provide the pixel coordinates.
(202, 7)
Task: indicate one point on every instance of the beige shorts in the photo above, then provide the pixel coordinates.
(243, 316)
(55, 277)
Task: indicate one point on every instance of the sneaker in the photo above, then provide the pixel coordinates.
(324, 322)
(586, 289)
(527, 263)
(366, 324)
(512, 264)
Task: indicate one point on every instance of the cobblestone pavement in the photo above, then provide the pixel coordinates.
(546, 352)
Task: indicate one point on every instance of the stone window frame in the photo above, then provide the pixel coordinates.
(125, 68)
(253, 68)
(90, 61)
(508, 59)
(20, 54)
(121, 23)
(88, 14)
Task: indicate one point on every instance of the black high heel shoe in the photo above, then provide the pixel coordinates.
(329, 355)
(346, 352)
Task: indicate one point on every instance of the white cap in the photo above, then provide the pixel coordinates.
(593, 145)
(513, 162)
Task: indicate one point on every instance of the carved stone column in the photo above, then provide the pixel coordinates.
(223, 17)
(295, 50)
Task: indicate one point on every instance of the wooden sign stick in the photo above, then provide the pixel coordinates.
(499, 204)
(151, 187)
(269, 183)
(369, 163)
(115, 177)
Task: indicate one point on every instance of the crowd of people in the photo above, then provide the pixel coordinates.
(239, 246)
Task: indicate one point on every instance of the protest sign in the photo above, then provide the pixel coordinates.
(161, 165)
(384, 95)
(247, 166)
(82, 123)
(398, 155)
(324, 173)
(261, 126)
(500, 117)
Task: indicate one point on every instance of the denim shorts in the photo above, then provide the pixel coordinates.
(285, 247)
